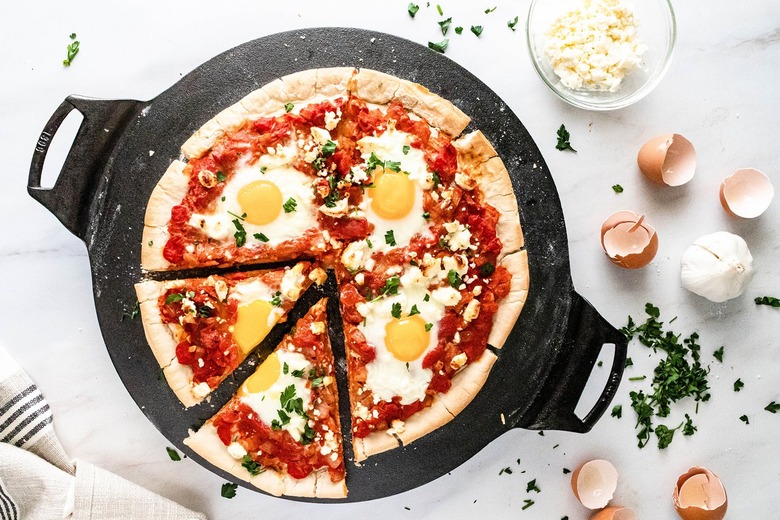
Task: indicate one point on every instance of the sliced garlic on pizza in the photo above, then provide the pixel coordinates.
(281, 431)
(201, 329)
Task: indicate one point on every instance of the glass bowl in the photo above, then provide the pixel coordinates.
(657, 29)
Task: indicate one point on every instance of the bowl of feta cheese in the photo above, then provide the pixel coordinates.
(601, 54)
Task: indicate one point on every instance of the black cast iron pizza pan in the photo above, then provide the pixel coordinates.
(109, 173)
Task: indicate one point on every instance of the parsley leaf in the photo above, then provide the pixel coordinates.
(390, 238)
(391, 285)
(617, 188)
(453, 278)
(490, 10)
(412, 9)
(718, 354)
(531, 486)
(566, 471)
(229, 490)
(173, 454)
(477, 29)
(665, 436)
(290, 205)
(396, 310)
(738, 385)
(459, 30)
(133, 313)
(426, 215)
(445, 25)
(768, 300)
(240, 233)
(406, 149)
(528, 503)
(221, 177)
(428, 327)
(486, 269)
(508, 471)
(73, 49)
(414, 310)
(563, 140)
(251, 466)
(617, 411)
(512, 24)
(440, 46)
(205, 311)
(689, 429)
(328, 148)
(261, 237)
(744, 419)
(288, 107)
(772, 407)
(436, 180)
(173, 298)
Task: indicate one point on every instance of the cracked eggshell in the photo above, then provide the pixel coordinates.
(594, 483)
(668, 159)
(700, 495)
(615, 513)
(746, 193)
(628, 241)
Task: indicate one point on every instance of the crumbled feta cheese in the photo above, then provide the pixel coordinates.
(318, 327)
(458, 361)
(320, 135)
(318, 275)
(201, 390)
(471, 311)
(354, 255)
(447, 296)
(236, 451)
(339, 208)
(332, 119)
(360, 279)
(292, 281)
(477, 290)
(458, 236)
(221, 288)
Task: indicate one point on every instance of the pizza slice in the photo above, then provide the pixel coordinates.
(281, 431)
(201, 329)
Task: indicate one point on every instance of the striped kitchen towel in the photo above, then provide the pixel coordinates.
(39, 481)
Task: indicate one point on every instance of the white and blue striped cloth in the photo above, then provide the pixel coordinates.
(39, 481)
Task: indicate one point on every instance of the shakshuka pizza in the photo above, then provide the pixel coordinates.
(281, 430)
(373, 177)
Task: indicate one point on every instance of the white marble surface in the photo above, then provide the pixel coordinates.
(721, 92)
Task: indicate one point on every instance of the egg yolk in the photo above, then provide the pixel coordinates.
(407, 339)
(264, 377)
(252, 324)
(392, 196)
(261, 201)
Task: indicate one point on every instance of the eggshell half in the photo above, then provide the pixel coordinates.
(700, 495)
(615, 513)
(628, 241)
(668, 159)
(746, 193)
(594, 483)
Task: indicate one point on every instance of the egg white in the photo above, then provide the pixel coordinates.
(267, 403)
(387, 376)
(389, 147)
(292, 184)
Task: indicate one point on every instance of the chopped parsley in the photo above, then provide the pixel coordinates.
(508, 471)
(677, 376)
(617, 411)
(428, 327)
(566, 471)
(427, 298)
(132, 313)
(459, 30)
(528, 503)
(512, 24)
(333, 194)
(426, 215)
(445, 25)
(738, 385)
(617, 188)
(629, 362)
(391, 285)
(486, 269)
(285, 368)
(490, 10)
(689, 429)
(477, 29)
(396, 310)
(441, 11)
(375, 162)
(240, 233)
(261, 237)
(177, 297)
(406, 149)
(744, 419)
(370, 245)
(436, 180)
(454, 278)
(772, 407)
(205, 311)
(412, 9)
(531, 486)
(73, 49)
(229, 490)
(173, 454)
(251, 466)
(768, 300)
(328, 148)
(414, 310)
(288, 107)
(563, 140)
(718, 354)
(276, 301)
(440, 46)
(390, 238)
(290, 205)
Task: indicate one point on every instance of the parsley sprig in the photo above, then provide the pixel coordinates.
(768, 300)
(73, 49)
(563, 140)
(678, 375)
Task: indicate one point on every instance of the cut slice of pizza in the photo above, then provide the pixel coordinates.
(201, 329)
(281, 431)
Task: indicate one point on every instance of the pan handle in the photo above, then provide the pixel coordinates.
(74, 191)
(586, 334)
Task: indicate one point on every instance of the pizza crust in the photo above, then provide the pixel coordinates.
(333, 82)
(373, 443)
(376, 87)
(510, 307)
(438, 111)
(169, 192)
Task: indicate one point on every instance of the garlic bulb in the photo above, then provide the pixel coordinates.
(717, 266)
